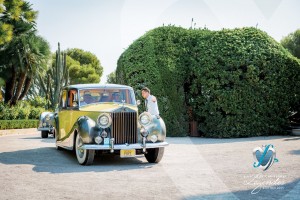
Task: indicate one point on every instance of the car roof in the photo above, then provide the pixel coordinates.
(97, 86)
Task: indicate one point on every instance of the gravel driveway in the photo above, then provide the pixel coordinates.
(192, 168)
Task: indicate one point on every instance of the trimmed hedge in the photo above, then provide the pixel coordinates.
(18, 124)
(21, 111)
(247, 84)
(237, 82)
(153, 61)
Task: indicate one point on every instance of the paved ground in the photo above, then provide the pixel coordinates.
(192, 168)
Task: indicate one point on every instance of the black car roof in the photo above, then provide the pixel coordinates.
(97, 86)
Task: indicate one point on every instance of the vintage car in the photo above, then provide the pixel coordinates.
(46, 124)
(95, 118)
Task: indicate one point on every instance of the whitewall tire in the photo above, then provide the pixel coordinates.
(84, 157)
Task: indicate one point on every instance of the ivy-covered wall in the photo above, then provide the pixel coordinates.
(237, 82)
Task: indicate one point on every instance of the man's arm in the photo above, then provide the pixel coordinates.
(154, 98)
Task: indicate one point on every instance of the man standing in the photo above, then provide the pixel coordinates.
(150, 102)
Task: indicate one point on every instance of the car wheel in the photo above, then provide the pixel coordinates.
(84, 156)
(154, 155)
(44, 134)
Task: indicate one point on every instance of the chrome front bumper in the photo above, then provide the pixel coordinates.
(123, 146)
(45, 129)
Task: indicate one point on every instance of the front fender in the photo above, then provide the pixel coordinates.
(158, 128)
(87, 129)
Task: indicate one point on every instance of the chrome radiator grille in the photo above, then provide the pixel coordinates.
(124, 127)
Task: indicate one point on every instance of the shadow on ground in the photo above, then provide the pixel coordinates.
(292, 138)
(50, 139)
(48, 159)
(295, 152)
(201, 140)
(289, 190)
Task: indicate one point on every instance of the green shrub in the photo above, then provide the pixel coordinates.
(22, 110)
(35, 112)
(238, 82)
(18, 124)
(24, 113)
(8, 113)
(38, 101)
(247, 84)
(151, 61)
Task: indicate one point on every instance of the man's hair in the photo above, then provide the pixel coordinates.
(146, 89)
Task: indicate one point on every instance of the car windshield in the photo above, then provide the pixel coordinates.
(91, 96)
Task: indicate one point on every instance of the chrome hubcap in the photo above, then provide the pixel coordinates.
(80, 151)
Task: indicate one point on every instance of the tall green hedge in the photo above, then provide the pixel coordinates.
(152, 61)
(246, 83)
(237, 82)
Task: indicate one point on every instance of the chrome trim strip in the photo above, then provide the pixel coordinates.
(124, 146)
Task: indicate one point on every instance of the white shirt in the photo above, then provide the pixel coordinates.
(151, 106)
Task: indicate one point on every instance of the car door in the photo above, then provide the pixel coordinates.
(67, 120)
(62, 118)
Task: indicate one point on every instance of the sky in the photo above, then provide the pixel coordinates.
(107, 27)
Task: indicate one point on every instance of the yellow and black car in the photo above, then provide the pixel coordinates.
(104, 118)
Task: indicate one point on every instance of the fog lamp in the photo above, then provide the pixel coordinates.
(144, 132)
(98, 139)
(153, 138)
(104, 134)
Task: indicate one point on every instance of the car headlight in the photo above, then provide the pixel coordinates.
(145, 118)
(104, 120)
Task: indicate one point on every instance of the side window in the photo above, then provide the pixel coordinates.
(73, 99)
(63, 99)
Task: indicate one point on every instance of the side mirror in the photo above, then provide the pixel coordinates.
(138, 102)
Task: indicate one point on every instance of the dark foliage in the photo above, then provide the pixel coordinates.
(237, 82)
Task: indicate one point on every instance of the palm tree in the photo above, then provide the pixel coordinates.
(27, 55)
(36, 56)
(16, 18)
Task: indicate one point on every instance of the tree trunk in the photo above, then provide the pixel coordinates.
(42, 85)
(19, 88)
(10, 86)
(26, 87)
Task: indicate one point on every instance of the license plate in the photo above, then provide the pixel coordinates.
(106, 141)
(125, 153)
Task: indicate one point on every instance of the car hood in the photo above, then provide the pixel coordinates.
(108, 107)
